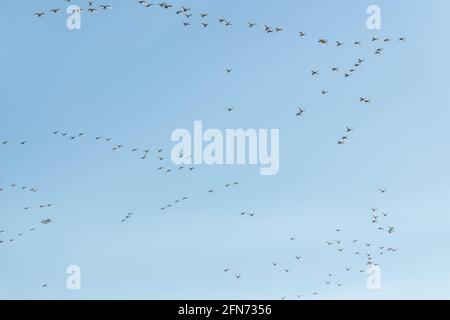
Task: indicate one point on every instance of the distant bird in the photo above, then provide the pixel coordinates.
(365, 101)
(300, 112)
(46, 221)
(268, 29)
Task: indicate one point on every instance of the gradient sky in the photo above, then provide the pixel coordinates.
(136, 74)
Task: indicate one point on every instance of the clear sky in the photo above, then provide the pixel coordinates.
(135, 74)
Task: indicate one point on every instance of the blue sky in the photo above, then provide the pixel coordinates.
(135, 75)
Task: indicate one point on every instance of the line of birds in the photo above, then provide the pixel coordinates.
(21, 142)
(127, 217)
(246, 213)
(90, 9)
(14, 186)
(143, 153)
(348, 74)
(210, 191)
(11, 239)
(345, 138)
(186, 12)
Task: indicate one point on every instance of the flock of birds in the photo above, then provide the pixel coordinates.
(143, 153)
(187, 13)
(91, 8)
(367, 249)
(8, 236)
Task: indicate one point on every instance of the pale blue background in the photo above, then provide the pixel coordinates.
(136, 74)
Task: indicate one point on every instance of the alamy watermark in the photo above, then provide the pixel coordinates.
(73, 22)
(74, 279)
(374, 19)
(232, 147)
(374, 280)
